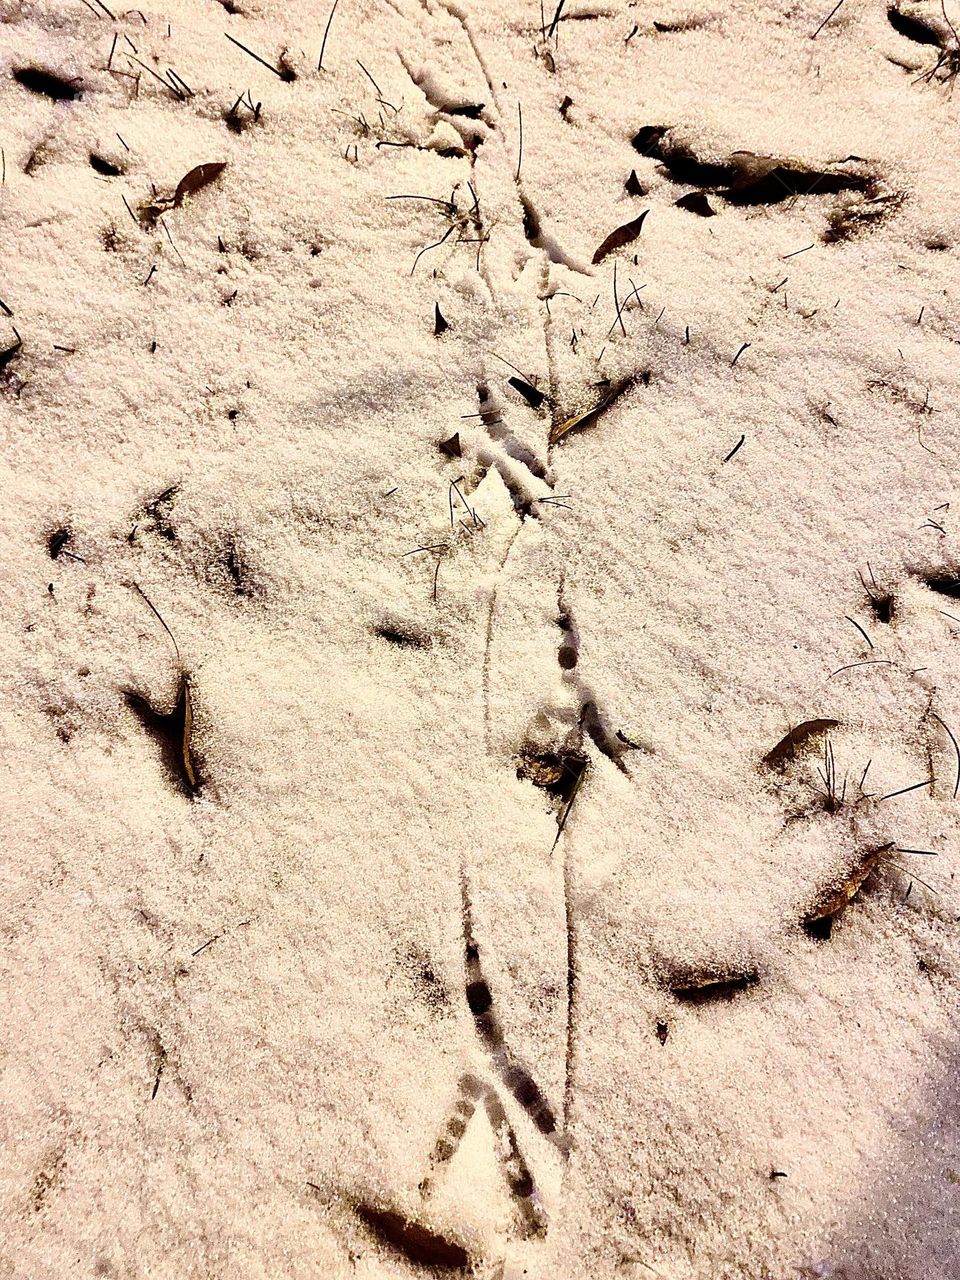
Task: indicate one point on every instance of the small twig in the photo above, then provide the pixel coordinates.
(156, 612)
(826, 19)
(323, 43)
(263, 62)
(903, 790)
(860, 629)
(370, 78)
(956, 747)
(867, 662)
(905, 872)
(447, 204)
(426, 249)
(435, 546)
(516, 176)
(177, 93)
(737, 446)
(745, 346)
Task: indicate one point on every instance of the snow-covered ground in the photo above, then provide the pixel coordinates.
(445, 893)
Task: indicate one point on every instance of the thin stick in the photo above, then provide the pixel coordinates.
(905, 872)
(447, 204)
(867, 662)
(859, 628)
(153, 608)
(177, 93)
(256, 57)
(826, 19)
(616, 301)
(737, 446)
(571, 993)
(428, 247)
(903, 790)
(370, 78)
(326, 32)
(516, 176)
(745, 347)
(956, 747)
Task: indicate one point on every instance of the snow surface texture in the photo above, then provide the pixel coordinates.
(248, 1029)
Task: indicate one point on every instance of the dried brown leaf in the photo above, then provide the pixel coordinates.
(620, 238)
(788, 746)
(533, 397)
(700, 988)
(836, 897)
(196, 180)
(696, 202)
(580, 420)
(174, 731)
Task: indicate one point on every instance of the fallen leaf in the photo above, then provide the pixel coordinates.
(173, 729)
(196, 179)
(788, 746)
(580, 420)
(533, 397)
(7, 355)
(451, 447)
(699, 988)
(696, 202)
(633, 185)
(105, 167)
(834, 900)
(620, 238)
(440, 325)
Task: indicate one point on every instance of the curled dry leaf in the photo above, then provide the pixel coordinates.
(620, 238)
(557, 772)
(9, 352)
(793, 742)
(833, 900)
(633, 186)
(196, 179)
(533, 397)
(580, 420)
(700, 988)
(696, 202)
(47, 83)
(174, 731)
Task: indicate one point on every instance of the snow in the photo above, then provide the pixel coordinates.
(236, 1022)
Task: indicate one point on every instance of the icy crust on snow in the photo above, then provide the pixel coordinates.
(238, 1039)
